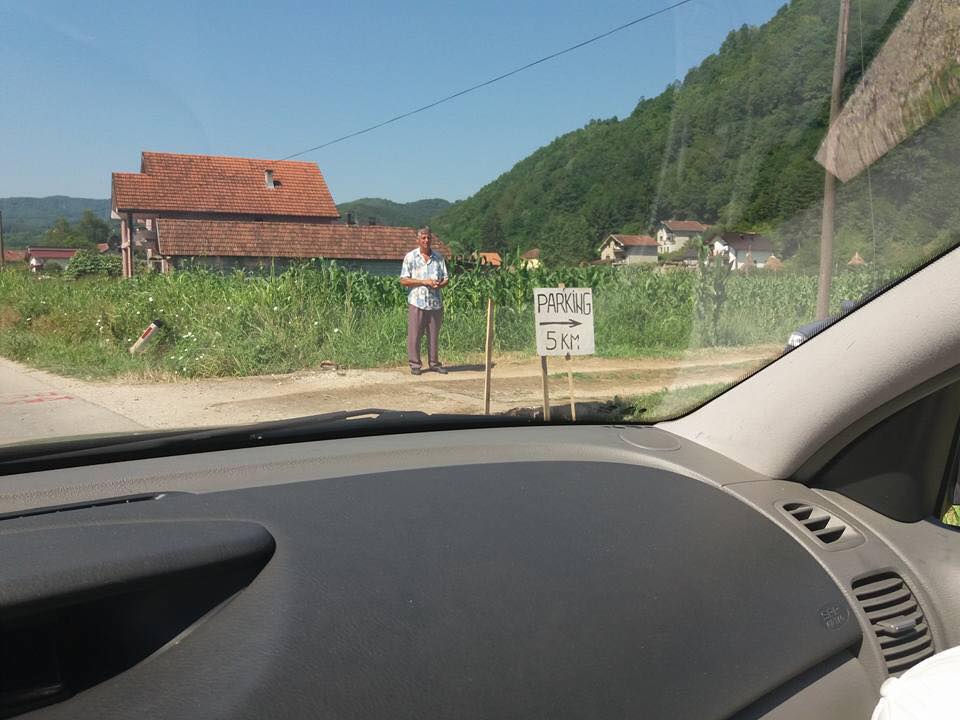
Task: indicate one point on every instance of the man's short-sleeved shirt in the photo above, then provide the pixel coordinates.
(415, 267)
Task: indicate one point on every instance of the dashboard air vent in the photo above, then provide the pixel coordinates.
(896, 618)
(828, 530)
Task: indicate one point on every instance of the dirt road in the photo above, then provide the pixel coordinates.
(116, 405)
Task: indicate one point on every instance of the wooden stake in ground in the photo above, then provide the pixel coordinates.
(573, 405)
(546, 388)
(488, 356)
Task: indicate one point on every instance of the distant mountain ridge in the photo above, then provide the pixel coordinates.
(32, 213)
(387, 212)
(26, 219)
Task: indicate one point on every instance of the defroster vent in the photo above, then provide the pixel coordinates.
(896, 618)
(827, 530)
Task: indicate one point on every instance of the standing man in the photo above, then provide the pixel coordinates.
(424, 272)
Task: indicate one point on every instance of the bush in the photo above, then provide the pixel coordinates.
(91, 262)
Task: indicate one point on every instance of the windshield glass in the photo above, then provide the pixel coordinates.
(544, 210)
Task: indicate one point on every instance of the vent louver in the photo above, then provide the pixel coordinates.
(828, 530)
(896, 618)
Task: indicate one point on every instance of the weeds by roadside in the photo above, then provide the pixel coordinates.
(238, 324)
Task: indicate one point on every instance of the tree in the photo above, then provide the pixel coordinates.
(492, 237)
(63, 234)
(566, 240)
(93, 229)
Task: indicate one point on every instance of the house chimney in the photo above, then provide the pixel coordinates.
(268, 178)
(350, 218)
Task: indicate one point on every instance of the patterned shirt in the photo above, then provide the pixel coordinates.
(414, 266)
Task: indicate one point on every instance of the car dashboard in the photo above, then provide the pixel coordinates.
(565, 571)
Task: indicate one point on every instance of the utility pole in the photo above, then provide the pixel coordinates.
(829, 181)
(3, 253)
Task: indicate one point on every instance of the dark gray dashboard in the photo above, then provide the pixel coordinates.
(539, 572)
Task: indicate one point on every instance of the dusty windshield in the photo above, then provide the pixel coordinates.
(224, 215)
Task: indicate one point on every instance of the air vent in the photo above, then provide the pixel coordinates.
(896, 618)
(827, 530)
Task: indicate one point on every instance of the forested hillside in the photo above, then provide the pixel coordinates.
(27, 219)
(387, 212)
(733, 145)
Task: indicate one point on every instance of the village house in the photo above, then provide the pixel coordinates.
(489, 259)
(14, 256)
(742, 249)
(530, 259)
(629, 249)
(675, 234)
(228, 213)
(46, 257)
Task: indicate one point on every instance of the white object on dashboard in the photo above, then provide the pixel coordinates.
(927, 691)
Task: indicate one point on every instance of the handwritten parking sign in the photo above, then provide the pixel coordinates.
(564, 321)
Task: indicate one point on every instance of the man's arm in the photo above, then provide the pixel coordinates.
(444, 275)
(411, 282)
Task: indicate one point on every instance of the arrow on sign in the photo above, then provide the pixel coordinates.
(569, 323)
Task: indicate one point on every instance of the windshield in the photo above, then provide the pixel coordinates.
(214, 215)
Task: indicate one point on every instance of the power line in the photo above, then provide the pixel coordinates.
(491, 81)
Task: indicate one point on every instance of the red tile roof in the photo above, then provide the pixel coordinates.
(532, 254)
(206, 183)
(635, 240)
(491, 258)
(14, 255)
(685, 226)
(241, 238)
(51, 253)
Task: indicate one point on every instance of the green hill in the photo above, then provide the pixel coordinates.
(26, 219)
(387, 212)
(732, 144)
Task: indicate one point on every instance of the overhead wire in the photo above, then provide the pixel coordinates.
(491, 81)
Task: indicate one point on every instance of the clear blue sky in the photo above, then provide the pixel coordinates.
(85, 86)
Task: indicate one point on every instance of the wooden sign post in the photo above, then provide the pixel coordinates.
(564, 324)
(489, 357)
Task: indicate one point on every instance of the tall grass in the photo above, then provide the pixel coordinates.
(238, 324)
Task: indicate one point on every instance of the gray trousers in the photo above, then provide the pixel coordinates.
(420, 322)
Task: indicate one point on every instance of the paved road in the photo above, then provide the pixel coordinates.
(33, 405)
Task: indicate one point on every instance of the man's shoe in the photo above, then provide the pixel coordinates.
(441, 370)
(415, 371)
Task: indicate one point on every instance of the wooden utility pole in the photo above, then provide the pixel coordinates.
(545, 382)
(488, 357)
(829, 181)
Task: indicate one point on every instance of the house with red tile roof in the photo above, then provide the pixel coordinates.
(629, 249)
(490, 259)
(41, 257)
(226, 213)
(674, 234)
(14, 256)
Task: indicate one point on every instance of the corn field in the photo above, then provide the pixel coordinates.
(215, 325)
